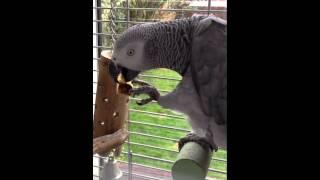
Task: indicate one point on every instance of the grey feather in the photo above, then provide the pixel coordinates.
(196, 48)
(209, 67)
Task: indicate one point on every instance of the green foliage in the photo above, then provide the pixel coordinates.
(164, 121)
(137, 15)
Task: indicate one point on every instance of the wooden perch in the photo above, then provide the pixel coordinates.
(192, 162)
(111, 111)
(104, 144)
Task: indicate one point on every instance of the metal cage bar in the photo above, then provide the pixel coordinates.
(162, 9)
(160, 160)
(127, 22)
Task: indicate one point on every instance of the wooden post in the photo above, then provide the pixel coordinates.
(104, 144)
(192, 163)
(111, 112)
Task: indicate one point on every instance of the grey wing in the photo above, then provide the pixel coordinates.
(209, 68)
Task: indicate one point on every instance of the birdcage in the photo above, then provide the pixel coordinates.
(151, 148)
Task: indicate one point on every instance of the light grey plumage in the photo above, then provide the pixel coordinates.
(194, 47)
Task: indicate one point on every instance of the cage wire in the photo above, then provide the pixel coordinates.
(151, 147)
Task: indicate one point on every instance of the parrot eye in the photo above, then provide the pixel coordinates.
(130, 52)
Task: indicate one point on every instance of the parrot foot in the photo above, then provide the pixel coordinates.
(149, 90)
(191, 137)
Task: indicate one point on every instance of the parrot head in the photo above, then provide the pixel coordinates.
(129, 55)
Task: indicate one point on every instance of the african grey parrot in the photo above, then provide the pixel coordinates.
(194, 47)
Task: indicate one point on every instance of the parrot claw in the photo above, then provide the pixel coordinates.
(144, 101)
(149, 90)
(191, 137)
(140, 82)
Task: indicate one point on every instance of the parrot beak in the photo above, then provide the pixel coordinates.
(128, 74)
(115, 70)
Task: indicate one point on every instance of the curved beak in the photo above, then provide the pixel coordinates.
(127, 74)
(114, 71)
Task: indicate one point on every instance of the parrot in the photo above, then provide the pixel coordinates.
(196, 48)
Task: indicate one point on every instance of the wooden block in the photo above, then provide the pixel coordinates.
(111, 108)
(104, 144)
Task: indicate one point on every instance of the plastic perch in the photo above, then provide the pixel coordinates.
(192, 162)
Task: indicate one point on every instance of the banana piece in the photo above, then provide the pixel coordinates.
(123, 87)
